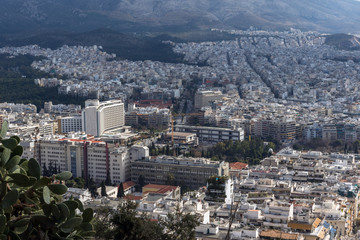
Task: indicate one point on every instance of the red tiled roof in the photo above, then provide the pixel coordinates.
(160, 188)
(238, 165)
(128, 185)
(133, 197)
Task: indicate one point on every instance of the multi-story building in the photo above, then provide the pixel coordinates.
(277, 214)
(204, 98)
(189, 172)
(212, 134)
(99, 117)
(70, 124)
(150, 117)
(329, 132)
(278, 129)
(85, 158)
(47, 106)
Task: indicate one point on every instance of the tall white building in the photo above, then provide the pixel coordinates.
(99, 117)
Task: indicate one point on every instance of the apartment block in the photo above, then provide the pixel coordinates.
(190, 172)
(212, 134)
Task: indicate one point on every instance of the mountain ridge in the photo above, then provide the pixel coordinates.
(331, 16)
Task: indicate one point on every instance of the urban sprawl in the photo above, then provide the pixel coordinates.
(143, 119)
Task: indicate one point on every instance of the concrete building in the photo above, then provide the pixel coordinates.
(190, 172)
(85, 158)
(204, 98)
(70, 124)
(279, 129)
(99, 117)
(150, 117)
(47, 106)
(212, 134)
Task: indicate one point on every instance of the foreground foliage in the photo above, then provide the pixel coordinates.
(31, 205)
(124, 223)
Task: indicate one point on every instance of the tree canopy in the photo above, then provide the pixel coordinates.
(124, 223)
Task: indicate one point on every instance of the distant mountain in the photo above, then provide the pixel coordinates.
(333, 16)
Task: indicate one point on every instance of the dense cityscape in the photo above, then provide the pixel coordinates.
(256, 137)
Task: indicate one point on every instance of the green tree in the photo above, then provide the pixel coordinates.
(170, 180)
(92, 188)
(108, 179)
(120, 193)
(102, 223)
(128, 226)
(103, 189)
(124, 223)
(141, 180)
(79, 182)
(180, 226)
(31, 205)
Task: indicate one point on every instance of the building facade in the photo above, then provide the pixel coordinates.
(99, 117)
(212, 134)
(189, 172)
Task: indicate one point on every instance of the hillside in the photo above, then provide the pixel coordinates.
(343, 41)
(125, 46)
(19, 16)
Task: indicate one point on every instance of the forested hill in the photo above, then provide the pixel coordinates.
(17, 83)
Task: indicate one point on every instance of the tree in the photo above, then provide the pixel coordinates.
(120, 193)
(31, 205)
(92, 188)
(180, 226)
(102, 223)
(103, 189)
(128, 226)
(108, 180)
(141, 180)
(45, 170)
(124, 223)
(170, 179)
(79, 182)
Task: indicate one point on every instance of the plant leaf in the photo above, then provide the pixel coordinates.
(66, 175)
(9, 143)
(10, 199)
(34, 168)
(58, 189)
(46, 195)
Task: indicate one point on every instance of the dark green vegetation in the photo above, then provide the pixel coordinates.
(125, 46)
(343, 42)
(250, 152)
(17, 83)
(124, 224)
(31, 205)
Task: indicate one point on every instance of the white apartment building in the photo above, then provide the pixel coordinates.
(85, 158)
(277, 214)
(70, 124)
(99, 117)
